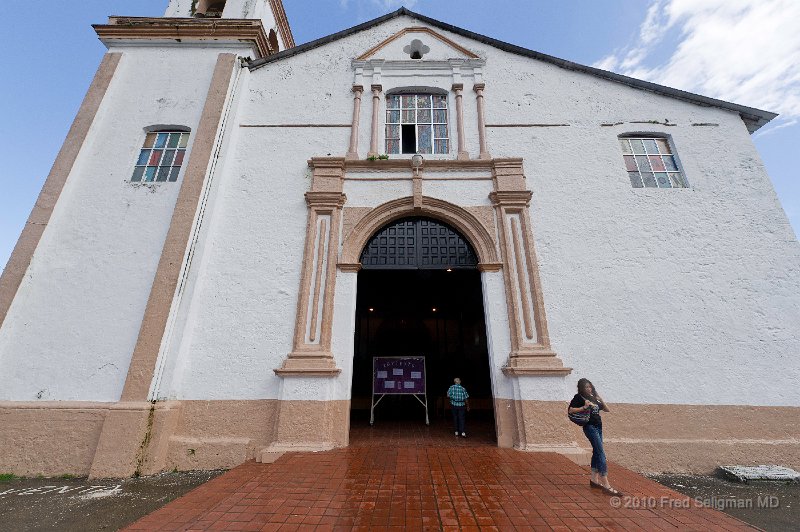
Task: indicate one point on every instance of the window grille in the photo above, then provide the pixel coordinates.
(416, 123)
(651, 163)
(418, 244)
(161, 157)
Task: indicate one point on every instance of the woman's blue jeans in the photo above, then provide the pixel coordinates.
(595, 436)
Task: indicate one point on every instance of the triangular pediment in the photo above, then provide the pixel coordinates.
(754, 118)
(417, 42)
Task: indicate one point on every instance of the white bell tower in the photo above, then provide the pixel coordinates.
(269, 12)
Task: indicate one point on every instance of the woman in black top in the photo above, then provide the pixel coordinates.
(588, 399)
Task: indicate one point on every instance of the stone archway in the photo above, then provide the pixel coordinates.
(474, 230)
(502, 237)
(419, 293)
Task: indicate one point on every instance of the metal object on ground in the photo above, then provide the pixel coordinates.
(761, 472)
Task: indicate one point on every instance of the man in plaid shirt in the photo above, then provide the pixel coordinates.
(459, 404)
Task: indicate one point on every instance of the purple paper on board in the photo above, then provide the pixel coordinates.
(398, 375)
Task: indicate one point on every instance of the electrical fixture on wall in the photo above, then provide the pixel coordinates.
(416, 162)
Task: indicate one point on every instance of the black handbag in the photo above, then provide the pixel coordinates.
(579, 418)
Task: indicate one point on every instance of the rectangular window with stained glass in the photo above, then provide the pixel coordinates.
(161, 157)
(651, 163)
(416, 123)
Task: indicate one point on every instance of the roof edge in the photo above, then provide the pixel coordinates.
(316, 43)
(753, 118)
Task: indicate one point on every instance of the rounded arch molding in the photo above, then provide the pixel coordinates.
(457, 217)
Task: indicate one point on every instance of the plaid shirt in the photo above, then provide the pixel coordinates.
(457, 394)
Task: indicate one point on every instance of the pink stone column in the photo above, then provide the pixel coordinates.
(352, 151)
(376, 105)
(463, 155)
(484, 153)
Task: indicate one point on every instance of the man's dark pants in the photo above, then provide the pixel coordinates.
(459, 418)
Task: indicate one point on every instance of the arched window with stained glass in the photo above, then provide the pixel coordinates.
(161, 156)
(651, 162)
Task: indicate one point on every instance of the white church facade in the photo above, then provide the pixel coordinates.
(236, 225)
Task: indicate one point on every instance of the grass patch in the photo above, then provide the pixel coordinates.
(6, 477)
(67, 476)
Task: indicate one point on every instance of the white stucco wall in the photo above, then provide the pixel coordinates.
(71, 329)
(659, 296)
(674, 296)
(244, 303)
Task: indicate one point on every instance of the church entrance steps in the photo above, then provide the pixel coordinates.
(465, 485)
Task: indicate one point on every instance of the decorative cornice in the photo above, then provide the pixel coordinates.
(514, 163)
(532, 372)
(307, 372)
(511, 197)
(536, 360)
(249, 31)
(349, 267)
(490, 266)
(332, 200)
(417, 65)
(327, 162)
(308, 363)
(283, 23)
(431, 165)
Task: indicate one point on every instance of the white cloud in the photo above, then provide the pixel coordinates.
(744, 51)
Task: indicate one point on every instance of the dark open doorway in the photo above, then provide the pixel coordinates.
(419, 294)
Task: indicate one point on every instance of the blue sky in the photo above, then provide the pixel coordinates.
(745, 51)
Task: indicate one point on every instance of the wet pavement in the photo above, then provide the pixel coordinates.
(397, 478)
(68, 504)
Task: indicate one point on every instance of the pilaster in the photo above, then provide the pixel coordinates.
(352, 151)
(311, 354)
(531, 353)
(458, 89)
(376, 105)
(484, 152)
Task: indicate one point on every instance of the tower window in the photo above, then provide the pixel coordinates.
(209, 9)
(651, 163)
(161, 157)
(272, 38)
(416, 123)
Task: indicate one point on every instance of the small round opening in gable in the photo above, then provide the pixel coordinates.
(416, 49)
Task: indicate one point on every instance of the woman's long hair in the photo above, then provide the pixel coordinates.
(582, 383)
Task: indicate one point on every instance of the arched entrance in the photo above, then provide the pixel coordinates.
(419, 294)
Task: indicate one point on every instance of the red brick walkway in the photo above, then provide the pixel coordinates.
(466, 485)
